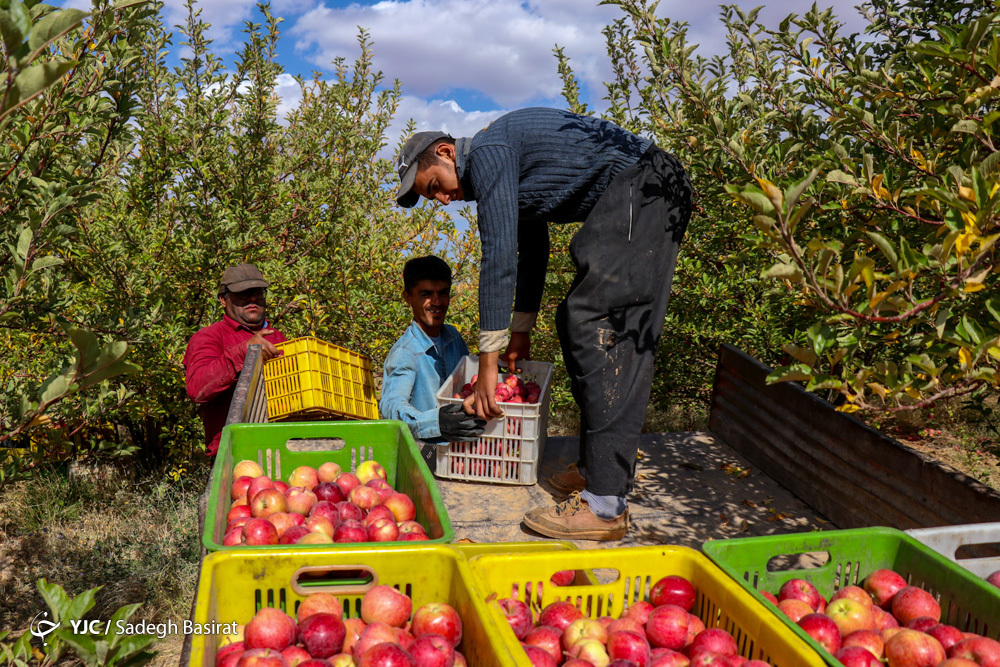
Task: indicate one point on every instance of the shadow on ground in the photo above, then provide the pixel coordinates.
(690, 488)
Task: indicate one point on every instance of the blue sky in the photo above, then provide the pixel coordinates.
(462, 63)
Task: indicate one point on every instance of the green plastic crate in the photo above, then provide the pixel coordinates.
(830, 560)
(281, 447)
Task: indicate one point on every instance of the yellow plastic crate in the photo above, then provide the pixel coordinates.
(629, 573)
(314, 378)
(233, 585)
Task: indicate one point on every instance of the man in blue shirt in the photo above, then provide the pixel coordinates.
(536, 166)
(423, 357)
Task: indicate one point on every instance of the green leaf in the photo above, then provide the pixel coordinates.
(84, 645)
(85, 342)
(55, 598)
(794, 373)
(783, 269)
(55, 386)
(993, 305)
(53, 26)
(969, 126)
(941, 320)
(24, 243)
(886, 248)
(133, 644)
(34, 80)
(793, 194)
(110, 363)
(11, 33)
(46, 262)
(82, 603)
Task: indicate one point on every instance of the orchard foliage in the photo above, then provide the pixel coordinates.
(858, 175)
(204, 172)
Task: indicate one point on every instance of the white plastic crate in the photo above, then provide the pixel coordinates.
(509, 450)
(947, 540)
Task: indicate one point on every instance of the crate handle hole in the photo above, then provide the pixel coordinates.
(315, 444)
(336, 579)
(981, 550)
(809, 560)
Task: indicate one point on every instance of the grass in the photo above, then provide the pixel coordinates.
(138, 538)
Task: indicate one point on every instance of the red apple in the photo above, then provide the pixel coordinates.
(870, 640)
(364, 497)
(327, 472)
(295, 655)
(329, 492)
(539, 657)
(402, 507)
(355, 627)
(261, 657)
(300, 500)
(386, 654)
(947, 635)
(267, 502)
(795, 609)
(319, 524)
(882, 585)
(883, 619)
(373, 635)
(385, 604)
(238, 522)
(580, 629)
(559, 614)
(850, 615)
(994, 578)
(240, 486)
(383, 487)
(226, 649)
(983, 650)
(304, 476)
(233, 537)
(853, 592)
(770, 597)
(959, 662)
(629, 646)
(547, 638)
(348, 510)
(437, 618)
(378, 512)
(822, 629)
(716, 640)
(922, 623)
(664, 657)
(269, 628)
(280, 486)
(232, 659)
(259, 531)
(368, 470)
(383, 530)
(673, 589)
(293, 535)
(800, 589)
(639, 611)
(403, 637)
(315, 538)
(322, 634)
(247, 468)
(316, 603)
(913, 602)
(239, 511)
(347, 481)
(413, 537)
(626, 623)
(563, 578)
(855, 656)
(350, 531)
(667, 626)
(282, 521)
(327, 510)
(257, 485)
(411, 527)
(518, 615)
(432, 650)
(590, 651)
(911, 648)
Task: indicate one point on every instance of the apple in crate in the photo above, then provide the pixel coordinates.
(437, 618)
(800, 589)
(269, 628)
(364, 497)
(518, 615)
(563, 578)
(348, 510)
(983, 650)
(258, 484)
(590, 650)
(383, 487)
(870, 640)
(267, 502)
(559, 614)
(328, 471)
(947, 635)
(628, 646)
(401, 506)
(914, 602)
(304, 476)
(261, 657)
(347, 481)
(329, 491)
(293, 535)
(667, 626)
(882, 585)
(247, 468)
(240, 486)
(378, 512)
(821, 628)
(582, 629)
(295, 655)
(372, 635)
(673, 589)
(432, 651)
(851, 615)
(856, 656)
(911, 648)
(545, 638)
(385, 604)
(368, 470)
(259, 531)
(350, 530)
(319, 524)
(322, 634)
(300, 500)
(383, 530)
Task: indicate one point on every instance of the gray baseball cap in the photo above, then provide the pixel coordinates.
(406, 164)
(242, 277)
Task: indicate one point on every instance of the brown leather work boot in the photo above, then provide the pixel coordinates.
(573, 520)
(567, 481)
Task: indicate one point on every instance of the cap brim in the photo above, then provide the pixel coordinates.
(405, 196)
(245, 285)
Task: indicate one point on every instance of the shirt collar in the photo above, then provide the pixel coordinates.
(236, 326)
(424, 340)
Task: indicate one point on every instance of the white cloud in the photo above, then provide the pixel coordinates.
(500, 48)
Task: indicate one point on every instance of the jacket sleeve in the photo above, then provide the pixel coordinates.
(398, 377)
(210, 367)
(494, 174)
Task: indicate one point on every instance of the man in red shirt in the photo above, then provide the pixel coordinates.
(215, 354)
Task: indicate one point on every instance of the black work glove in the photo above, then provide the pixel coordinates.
(457, 426)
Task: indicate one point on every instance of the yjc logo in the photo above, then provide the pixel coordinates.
(42, 628)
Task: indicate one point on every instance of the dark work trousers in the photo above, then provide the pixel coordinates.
(611, 320)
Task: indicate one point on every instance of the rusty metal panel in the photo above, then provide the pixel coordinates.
(249, 404)
(853, 474)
